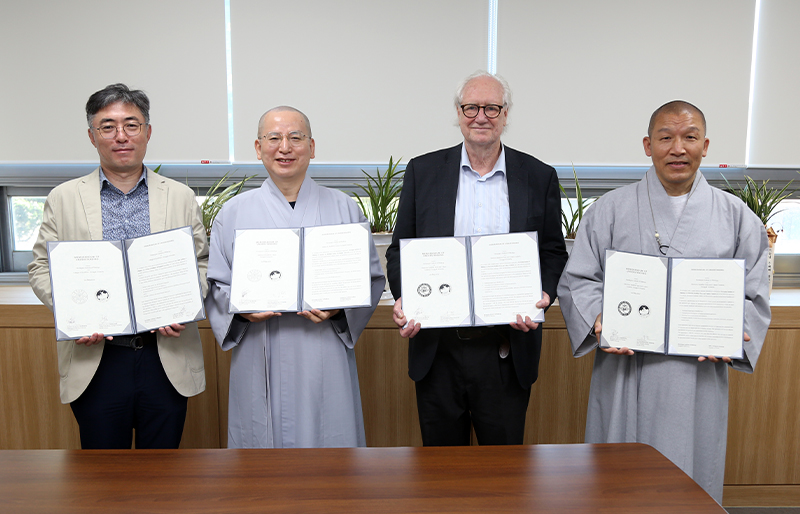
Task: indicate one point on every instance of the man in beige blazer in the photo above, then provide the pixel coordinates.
(117, 384)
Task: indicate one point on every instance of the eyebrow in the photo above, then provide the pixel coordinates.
(129, 118)
(667, 129)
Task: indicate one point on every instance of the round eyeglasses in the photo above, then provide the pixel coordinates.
(109, 131)
(274, 139)
(491, 110)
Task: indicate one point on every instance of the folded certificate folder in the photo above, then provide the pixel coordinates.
(124, 287)
(281, 270)
(471, 280)
(672, 305)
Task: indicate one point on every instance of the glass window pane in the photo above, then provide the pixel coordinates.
(26, 211)
(787, 224)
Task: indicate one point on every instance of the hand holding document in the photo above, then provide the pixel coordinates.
(289, 270)
(124, 287)
(472, 280)
(675, 306)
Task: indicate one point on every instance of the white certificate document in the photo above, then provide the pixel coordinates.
(336, 270)
(506, 278)
(634, 302)
(165, 283)
(435, 281)
(266, 270)
(89, 288)
(707, 307)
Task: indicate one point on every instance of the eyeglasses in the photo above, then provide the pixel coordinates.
(274, 139)
(109, 131)
(491, 111)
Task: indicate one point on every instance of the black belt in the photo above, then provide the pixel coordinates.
(137, 341)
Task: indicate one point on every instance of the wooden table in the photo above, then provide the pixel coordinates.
(542, 478)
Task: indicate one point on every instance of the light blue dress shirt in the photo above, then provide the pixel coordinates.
(482, 202)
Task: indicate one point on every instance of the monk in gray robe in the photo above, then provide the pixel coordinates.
(679, 405)
(293, 376)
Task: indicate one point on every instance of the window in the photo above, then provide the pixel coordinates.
(26, 216)
(787, 224)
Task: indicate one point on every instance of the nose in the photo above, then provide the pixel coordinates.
(120, 136)
(284, 146)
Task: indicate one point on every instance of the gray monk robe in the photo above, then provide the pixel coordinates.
(293, 382)
(675, 404)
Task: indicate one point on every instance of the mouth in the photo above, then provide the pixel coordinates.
(285, 161)
(678, 165)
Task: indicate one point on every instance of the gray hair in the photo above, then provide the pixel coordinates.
(114, 93)
(283, 108)
(478, 74)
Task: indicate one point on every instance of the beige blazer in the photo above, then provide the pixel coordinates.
(72, 212)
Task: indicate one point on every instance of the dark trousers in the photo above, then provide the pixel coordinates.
(130, 391)
(470, 384)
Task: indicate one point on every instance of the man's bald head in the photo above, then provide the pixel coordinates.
(284, 108)
(675, 107)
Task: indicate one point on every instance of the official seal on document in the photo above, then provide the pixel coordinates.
(79, 296)
(254, 275)
(424, 290)
(624, 308)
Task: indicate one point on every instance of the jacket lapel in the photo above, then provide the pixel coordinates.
(158, 198)
(89, 191)
(449, 191)
(517, 180)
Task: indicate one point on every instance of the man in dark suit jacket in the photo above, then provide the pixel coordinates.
(477, 376)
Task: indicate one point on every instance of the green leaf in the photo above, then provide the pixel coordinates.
(761, 199)
(571, 222)
(381, 194)
(215, 200)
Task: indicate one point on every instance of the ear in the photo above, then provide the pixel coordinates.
(313, 145)
(258, 149)
(646, 143)
(705, 147)
(91, 138)
(149, 132)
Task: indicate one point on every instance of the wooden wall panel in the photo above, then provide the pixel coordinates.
(202, 414)
(388, 398)
(764, 416)
(763, 441)
(557, 409)
(32, 413)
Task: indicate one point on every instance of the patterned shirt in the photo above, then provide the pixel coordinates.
(124, 215)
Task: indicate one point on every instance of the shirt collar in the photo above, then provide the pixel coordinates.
(499, 166)
(104, 179)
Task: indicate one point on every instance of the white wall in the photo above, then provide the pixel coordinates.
(377, 78)
(775, 129)
(55, 54)
(587, 75)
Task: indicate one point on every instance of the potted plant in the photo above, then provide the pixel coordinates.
(215, 199)
(571, 221)
(763, 201)
(380, 204)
